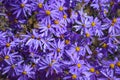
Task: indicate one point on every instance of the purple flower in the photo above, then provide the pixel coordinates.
(9, 57)
(25, 72)
(50, 64)
(112, 26)
(34, 40)
(21, 7)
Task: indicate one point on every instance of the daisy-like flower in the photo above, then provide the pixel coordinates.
(25, 72)
(57, 47)
(9, 42)
(33, 40)
(47, 14)
(38, 4)
(11, 68)
(50, 64)
(21, 7)
(76, 50)
(82, 25)
(47, 29)
(8, 57)
(60, 6)
(95, 26)
(113, 26)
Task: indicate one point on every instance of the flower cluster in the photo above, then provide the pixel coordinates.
(60, 39)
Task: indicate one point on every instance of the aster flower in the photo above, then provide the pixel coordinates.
(46, 29)
(8, 57)
(11, 69)
(95, 26)
(60, 6)
(46, 14)
(76, 50)
(38, 4)
(25, 72)
(112, 26)
(21, 8)
(50, 64)
(33, 40)
(82, 25)
(57, 47)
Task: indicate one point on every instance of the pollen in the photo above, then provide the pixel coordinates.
(13, 66)
(92, 70)
(93, 24)
(67, 41)
(74, 76)
(97, 72)
(77, 48)
(32, 36)
(58, 50)
(83, 25)
(104, 45)
(87, 35)
(114, 20)
(60, 8)
(7, 44)
(65, 16)
(15, 20)
(111, 3)
(118, 63)
(48, 26)
(40, 5)
(112, 24)
(7, 57)
(79, 65)
(53, 61)
(56, 21)
(112, 66)
(48, 12)
(22, 5)
(24, 72)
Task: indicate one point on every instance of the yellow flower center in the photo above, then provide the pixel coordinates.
(7, 44)
(48, 25)
(24, 72)
(53, 61)
(13, 66)
(104, 45)
(40, 5)
(97, 72)
(48, 12)
(67, 41)
(77, 48)
(83, 25)
(79, 65)
(56, 21)
(65, 16)
(58, 50)
(114, 20)
(92, 70)
(87, 35)
(22, 5)
(111, 3)
(118, 63)
(93, 24)
(74, 76)
(7, 57)
(60, 8)
(112, 66)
